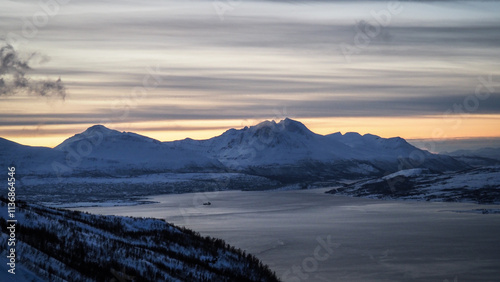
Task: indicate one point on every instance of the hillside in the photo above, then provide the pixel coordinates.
(60, 245)
(478, 157)
(478, 185)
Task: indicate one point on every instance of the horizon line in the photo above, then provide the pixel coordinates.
(242, 126)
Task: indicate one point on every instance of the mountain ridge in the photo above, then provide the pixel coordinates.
(284, 149)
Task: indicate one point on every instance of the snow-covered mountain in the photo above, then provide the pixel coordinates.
(33, 160)
(286, 150)
(478, 185)
(100, 148)
(269, 143)
(290, 148)
(102, 151)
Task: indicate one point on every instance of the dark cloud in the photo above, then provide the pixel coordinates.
(333, 107)
(14, 78)
(419, 64)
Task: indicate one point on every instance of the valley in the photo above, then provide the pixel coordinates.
(370, 239)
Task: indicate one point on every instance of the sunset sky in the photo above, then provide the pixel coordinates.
(177, 69)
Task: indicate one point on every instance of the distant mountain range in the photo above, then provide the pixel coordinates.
(478, 157)
(286, 151)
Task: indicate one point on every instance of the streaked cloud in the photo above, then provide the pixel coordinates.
(264, 56)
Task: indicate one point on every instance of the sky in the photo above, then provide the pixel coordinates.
(421, 70)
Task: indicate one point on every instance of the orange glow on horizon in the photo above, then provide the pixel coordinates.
(422, 127)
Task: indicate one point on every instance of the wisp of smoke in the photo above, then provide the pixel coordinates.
(13, 78)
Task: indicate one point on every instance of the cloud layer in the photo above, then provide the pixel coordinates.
(258, 58)
(14, 78)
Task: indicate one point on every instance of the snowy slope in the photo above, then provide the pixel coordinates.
(287, 151)
(289, 142)
(479, 157)
(22, 273)
(384, 152)
(479, 185)
(492, 153)
(58, 245)
(101, 148)
(33, 160)
(372, 147)
(269, 143)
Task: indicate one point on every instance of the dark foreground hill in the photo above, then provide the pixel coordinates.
(61, 245)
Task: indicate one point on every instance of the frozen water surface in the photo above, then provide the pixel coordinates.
(307, 235)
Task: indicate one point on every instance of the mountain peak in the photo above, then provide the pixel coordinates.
(294, 126)
(99, 128)
(98, 132)
(287, 124)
